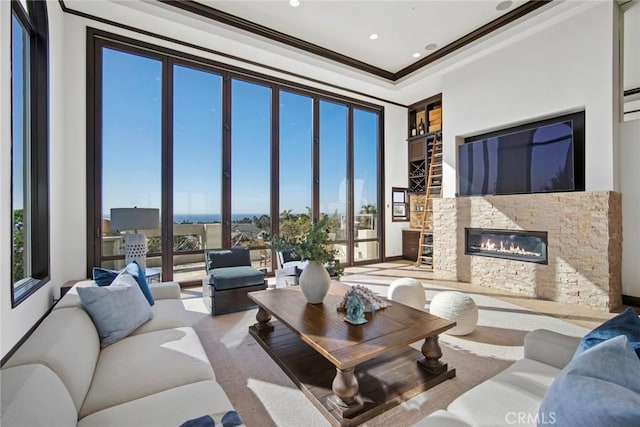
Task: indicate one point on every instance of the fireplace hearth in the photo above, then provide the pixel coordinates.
(519, 245)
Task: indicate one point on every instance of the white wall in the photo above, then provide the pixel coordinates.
(567, 67)
(15, 322)
(396, 173)
(630, 183)
(630, 153)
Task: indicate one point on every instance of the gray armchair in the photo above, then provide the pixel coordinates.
(231, 278)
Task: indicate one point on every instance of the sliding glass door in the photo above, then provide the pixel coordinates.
(251, 169)
(197, 161)
(333, 173)
(131, 153)
(365, 186)
(227, 159)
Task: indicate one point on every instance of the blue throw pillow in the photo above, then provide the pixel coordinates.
(203, 421)
(138, 273)
(104, 277)
(626, 323)
(231, 419)
(600, 387)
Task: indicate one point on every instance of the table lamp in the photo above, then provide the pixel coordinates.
(126, 219)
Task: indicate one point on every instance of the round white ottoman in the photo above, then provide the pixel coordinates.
(407, 291)
(456, 306)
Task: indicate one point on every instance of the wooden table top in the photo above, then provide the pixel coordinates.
(343, 344)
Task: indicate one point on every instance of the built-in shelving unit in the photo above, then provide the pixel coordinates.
(425, 121)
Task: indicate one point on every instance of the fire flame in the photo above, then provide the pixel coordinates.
(490, 246)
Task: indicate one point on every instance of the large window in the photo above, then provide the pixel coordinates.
(333, 172)
(197, 160)
(295, 165)
(29, 149)
(251, 168)
(365, 185)
(131, 147)
(229, 158)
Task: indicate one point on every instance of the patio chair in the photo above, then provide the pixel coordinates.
(289, 268)
(230, 279)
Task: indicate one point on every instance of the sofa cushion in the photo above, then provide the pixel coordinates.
(626, 323)
(518, 389)
(236, 277)
(167, 314)
(144, 364)
(604, 388)
(33, 395)
(164, 290)
(168, 408)
(550, 348)
(116, 311)
(66, 342)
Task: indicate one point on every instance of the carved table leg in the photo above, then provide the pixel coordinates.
(263, 317)
(345, 389)
(432, 354)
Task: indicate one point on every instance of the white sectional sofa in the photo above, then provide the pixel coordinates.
(157, 376)
(514, 395)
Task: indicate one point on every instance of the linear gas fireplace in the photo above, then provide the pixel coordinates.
(529, 246)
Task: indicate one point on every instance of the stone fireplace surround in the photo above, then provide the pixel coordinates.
(584, 245)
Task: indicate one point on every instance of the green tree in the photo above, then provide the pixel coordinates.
(18, 245)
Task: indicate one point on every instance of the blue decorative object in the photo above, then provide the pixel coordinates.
(355, 310)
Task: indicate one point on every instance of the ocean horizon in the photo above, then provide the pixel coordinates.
(206, 218)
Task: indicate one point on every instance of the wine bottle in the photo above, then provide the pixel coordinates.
(413, 130)
(421, 127)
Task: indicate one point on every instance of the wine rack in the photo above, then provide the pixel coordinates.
(428, 112)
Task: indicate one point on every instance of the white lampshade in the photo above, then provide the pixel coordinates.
(134, 218)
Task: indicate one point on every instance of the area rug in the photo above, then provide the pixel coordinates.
(264, 396)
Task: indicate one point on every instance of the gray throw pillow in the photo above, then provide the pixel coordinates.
(600, 387)
(116, 310)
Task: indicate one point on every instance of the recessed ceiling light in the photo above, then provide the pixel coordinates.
(503, 5)
(416, 55)
(294, 3)
(373, 36)
(430, 46)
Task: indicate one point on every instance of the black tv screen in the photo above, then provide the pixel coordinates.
(544, 156)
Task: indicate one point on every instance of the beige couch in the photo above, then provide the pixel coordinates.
(514, 395)
(157, 376)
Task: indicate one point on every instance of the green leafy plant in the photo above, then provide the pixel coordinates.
(18, 245)
(310, 243)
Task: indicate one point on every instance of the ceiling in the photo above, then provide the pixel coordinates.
(340, 29)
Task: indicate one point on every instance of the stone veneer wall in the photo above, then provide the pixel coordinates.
(584, 248)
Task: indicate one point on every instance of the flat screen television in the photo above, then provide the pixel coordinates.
(538, 157)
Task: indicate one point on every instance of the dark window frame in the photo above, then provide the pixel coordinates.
(404, 203)
(35, 22)
(98, 39)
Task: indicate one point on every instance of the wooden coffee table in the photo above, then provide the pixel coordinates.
(351, 373)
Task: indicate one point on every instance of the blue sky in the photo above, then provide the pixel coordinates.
(17, 57)
(132, 143)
